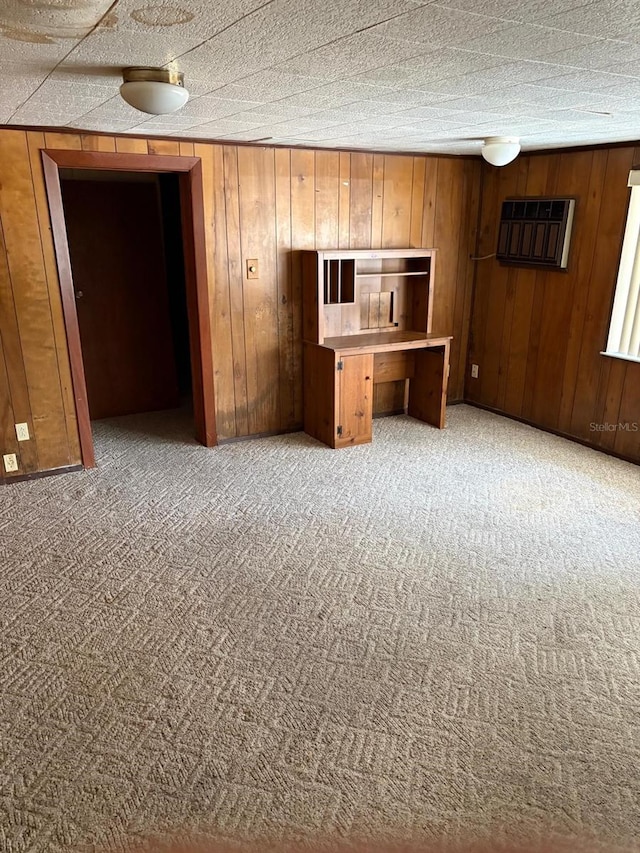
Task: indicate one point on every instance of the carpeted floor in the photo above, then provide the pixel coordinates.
(436, 636)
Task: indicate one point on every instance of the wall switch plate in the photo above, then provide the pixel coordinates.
(475, 371)
(10, 462)
(252, 268)
(22, 432)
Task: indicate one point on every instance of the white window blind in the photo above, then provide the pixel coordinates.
(624, 331)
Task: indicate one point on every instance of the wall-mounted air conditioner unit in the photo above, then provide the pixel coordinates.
(535, 232)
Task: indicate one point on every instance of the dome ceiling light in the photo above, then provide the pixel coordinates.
(500, 150)
(154, 90)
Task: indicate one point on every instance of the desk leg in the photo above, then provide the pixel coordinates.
(428, 387)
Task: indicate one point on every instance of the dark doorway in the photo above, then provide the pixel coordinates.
(189, 174)
(127, 260)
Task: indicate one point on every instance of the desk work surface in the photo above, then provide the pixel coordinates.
(384, 342)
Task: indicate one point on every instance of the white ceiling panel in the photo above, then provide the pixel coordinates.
(527, 41)
(613, 19)
(410, 75)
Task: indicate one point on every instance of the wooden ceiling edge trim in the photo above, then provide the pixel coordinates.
(596, 146)
(233, 142)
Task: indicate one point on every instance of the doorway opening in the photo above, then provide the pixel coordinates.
(129, 238)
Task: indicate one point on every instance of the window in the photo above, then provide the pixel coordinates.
(624, 331)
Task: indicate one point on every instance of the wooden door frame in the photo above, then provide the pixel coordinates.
(189, 170)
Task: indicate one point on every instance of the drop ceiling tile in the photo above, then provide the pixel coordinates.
(109, 47)
(613, 19)
(437, 25)
(209, 107)
(527, 41)
(528, 11)
(269, 113)
(269, 85)
(499, 102)
(604, 54)
(191, 22)
(589, 81)
(281, 31)
(358, 53)
(556, 98)
(40, 58)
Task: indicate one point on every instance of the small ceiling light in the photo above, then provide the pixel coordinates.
(154, 90)
(500, 150)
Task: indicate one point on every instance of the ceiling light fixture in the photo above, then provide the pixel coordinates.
(154, 90)
(500, 150)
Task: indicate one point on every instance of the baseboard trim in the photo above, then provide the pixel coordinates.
(37, 475)
(552, 431)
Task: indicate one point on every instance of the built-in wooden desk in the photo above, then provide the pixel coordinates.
(381, 301)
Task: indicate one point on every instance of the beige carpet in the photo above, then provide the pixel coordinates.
(436, 636)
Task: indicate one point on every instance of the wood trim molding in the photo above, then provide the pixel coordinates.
(198, 290)
(71, 159)
(61, 246)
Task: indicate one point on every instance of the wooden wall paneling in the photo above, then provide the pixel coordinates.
(496, 278)
(512, 286)
(417, 204)
(591, 200)
(344, 203)
(327, 199)
(236, 278)
(602, 282)
(464, 279)
(609, 400)
(487, 230)
(263, 203)
(31, 297)
(536, 330)
(91, 142)
(627, 441)
(377, 200)
(361, 201)
(128, 145)
(289, 381)
(7, 429)
(469, 182)
(558, 297)
(164, 146)
(446, 237)
(35, 142)
(514, 364)
(15, 405)
(396, 202)
(454, 236)
(429, 202)
(303, 228)
(258, 240)
(218, 277)
(64, 141)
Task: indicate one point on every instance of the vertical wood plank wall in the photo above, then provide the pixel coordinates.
(537, 336)
(263, 203)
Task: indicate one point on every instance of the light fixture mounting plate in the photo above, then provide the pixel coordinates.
(140, 74)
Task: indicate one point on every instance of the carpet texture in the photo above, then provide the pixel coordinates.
(434, 637)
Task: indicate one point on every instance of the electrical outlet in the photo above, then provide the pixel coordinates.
(475, 371)
(10, 462)
(22, 431)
